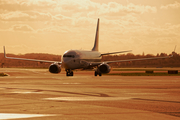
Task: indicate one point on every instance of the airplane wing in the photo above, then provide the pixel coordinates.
(47, 61)
(152, 58)
(93, 64)
(129, 60)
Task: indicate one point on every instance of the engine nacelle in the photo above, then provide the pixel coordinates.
(55, 68)
(104, 68)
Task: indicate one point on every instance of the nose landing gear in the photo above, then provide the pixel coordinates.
(69, 73)
(97, 73)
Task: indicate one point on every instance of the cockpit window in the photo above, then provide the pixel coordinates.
(69, 56)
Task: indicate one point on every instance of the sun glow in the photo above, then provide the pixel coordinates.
(54, 26)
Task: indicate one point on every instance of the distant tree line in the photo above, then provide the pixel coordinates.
(169, 62)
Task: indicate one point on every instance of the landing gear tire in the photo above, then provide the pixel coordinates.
(69, 73)
(97, 73)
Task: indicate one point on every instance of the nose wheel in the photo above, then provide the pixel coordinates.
(69, 73)
(97, 73)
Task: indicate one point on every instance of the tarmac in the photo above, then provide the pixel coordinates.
(37, 94)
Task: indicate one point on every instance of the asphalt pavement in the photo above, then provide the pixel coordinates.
(37, 94)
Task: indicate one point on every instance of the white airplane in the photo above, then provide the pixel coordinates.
(80, 59)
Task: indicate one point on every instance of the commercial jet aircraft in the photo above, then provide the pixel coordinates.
(80, 59)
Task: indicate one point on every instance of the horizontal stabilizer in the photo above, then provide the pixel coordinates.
(116, 52)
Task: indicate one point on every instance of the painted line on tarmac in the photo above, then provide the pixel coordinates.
(88, 98)
(71, 83)
(5, 116)
(26, 92)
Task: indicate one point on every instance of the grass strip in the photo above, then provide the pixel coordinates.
(144, 74)
(148, 69)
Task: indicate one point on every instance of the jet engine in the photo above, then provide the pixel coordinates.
(104, 68)
(55, 68)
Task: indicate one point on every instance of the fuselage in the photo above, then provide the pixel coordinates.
(77, 59)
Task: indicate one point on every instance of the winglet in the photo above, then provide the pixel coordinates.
(4, 52)
(173, 51)
(96, 43)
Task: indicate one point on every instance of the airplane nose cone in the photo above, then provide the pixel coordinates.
(69, 59)
(66, 63)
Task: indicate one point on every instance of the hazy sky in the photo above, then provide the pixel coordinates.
(54, 26)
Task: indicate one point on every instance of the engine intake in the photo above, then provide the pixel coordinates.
(104, 68)
(55, 68)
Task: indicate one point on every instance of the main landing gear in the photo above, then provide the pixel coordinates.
(97, 73)
(69, 73)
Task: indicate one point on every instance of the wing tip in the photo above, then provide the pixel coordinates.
(4, 52)
(174, 51)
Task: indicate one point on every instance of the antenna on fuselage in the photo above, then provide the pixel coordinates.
(96, 42)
